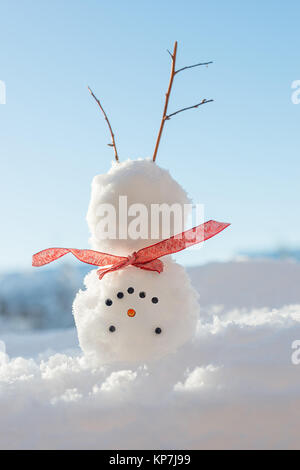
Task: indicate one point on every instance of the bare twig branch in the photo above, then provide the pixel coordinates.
(163, 120)
(189, 107)
(192, 66)
(113, 144)
(165, 116)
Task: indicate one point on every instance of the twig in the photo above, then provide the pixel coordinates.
(113, 144)
(190, 107)
(191, 66)
(166, 117)
(163, 120)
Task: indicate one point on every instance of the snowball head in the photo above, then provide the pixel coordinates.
(138, 182)
(133, 315)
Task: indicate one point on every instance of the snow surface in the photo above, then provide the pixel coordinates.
(235, 387)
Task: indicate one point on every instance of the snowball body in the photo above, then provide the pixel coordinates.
(132, 314)
(134, 338)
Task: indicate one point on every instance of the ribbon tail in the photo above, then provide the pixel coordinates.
(101, 272)
(48, 255)
(95, 258)
(155, 265)
(108, 269)
(181, 241)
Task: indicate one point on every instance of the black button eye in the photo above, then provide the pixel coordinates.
(154, 300)
(142, 295)
(158, 331)
(130, 290)
(112, 328)
(120, 295)
(108, 302)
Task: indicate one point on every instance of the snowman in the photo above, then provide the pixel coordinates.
(138, 305)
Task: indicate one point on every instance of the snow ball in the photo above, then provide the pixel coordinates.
(108, 331)
(140, 182)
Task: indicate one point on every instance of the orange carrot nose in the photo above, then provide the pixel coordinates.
(131, 312)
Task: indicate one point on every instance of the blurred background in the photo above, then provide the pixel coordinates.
(239, 156)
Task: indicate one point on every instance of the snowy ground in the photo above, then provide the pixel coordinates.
(234, 387)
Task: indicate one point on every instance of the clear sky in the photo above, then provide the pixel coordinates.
(239, 155)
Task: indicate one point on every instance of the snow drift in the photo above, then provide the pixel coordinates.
(237, 386)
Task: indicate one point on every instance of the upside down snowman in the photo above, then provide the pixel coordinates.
(139, 304)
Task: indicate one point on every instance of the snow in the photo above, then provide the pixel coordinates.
(141, 182)
(236, 386)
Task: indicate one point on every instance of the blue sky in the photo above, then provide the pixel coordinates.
(239, 155)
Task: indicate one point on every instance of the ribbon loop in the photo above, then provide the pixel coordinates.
(132, 258)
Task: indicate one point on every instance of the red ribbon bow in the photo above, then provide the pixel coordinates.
(146, 258)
